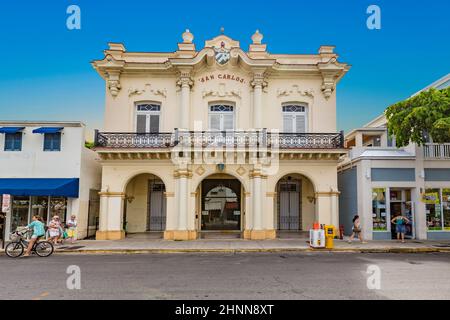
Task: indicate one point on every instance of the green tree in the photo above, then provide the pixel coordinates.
(426, 114)
(89, 145)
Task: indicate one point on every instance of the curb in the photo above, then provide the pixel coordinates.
(274, 250)
(268, 250)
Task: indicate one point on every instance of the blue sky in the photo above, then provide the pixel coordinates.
(46, 74)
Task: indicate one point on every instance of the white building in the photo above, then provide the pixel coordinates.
(378, 180)
(47, 170)
(219, 139)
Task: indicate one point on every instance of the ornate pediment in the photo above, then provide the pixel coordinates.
(222, 92)
(295, 90)
(147, 89)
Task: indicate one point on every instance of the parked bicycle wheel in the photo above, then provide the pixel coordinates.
(14, 249)
(44, 249)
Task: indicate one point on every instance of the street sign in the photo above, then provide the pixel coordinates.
(6, 203)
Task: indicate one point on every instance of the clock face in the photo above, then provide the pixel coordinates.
(222, 55)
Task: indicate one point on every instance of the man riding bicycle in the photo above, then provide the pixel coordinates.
(38, 231)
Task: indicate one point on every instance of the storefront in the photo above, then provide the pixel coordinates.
(388, 203)
(43, 197)
(437, 209)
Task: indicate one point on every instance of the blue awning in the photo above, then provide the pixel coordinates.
(11, 129)
(48, 130)
(40, 187)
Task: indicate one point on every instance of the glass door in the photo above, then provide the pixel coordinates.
(221, 205)
(401, 204)
(20, 212)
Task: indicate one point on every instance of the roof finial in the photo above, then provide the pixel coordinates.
(257, 37)
(187, 36)
(222, 30)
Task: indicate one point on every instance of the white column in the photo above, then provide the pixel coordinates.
(258, 83)
(335, 211)
(420, 219)
(185, 82)
(111, 216)
(183, 203)
(257, 203)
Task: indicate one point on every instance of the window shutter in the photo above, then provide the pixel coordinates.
(228, 122)
(300, 124)
(154, 123)
(214, 122)
(141, 123)
(18, 141)
(287, 124)
(47, 141)
(57, 142)
(8, 142)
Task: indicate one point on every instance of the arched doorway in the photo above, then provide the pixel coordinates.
(221, 204)
(145, 205)
(295, 205)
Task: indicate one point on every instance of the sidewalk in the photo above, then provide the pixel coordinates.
(135, 246)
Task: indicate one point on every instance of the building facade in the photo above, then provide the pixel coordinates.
(46, 170)
(378, 181)
(218, 139)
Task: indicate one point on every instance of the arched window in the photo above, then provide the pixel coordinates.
(295, 118)
(148, 117)
(221, 117)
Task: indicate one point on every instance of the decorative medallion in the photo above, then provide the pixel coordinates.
(222, 54)
(241, 171)
(200, 171)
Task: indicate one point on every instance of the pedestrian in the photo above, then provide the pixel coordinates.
(54, 230)
(38, 231)
(400, 222)
(72, 228)
(356, 230)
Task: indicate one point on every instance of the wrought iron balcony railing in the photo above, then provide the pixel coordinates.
(202, 139)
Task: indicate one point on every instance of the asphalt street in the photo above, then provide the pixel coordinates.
(255, 276)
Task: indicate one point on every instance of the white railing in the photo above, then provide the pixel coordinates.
(436, 151)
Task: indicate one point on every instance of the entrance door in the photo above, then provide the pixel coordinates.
(221, 205)
(156, 205)
(400, 203)
(289, 205)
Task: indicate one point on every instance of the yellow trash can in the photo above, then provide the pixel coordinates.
(329, 237)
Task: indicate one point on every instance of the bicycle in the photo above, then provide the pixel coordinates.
(18, 243)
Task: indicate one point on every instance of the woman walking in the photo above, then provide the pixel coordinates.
(356, 230)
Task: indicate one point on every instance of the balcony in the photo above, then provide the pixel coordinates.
(436, 151)
(232, 139)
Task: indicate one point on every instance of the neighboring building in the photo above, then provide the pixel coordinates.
(47, 170)
(378, 180)
(183, 151)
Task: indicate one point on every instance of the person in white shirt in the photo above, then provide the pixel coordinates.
(72, 228)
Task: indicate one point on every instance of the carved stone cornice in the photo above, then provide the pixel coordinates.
(110, 194)
(257, 173)
(185, 78)
(113, 82)
(182, 173)
(259, 79)
(331, 72)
